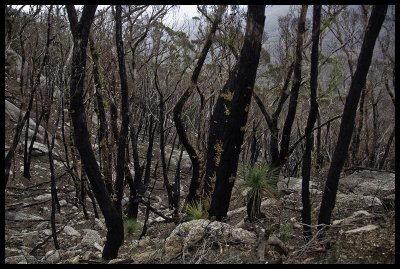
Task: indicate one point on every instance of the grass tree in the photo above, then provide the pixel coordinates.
(261, 180)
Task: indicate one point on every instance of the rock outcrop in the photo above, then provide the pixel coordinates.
(190, 233)
(371, 183)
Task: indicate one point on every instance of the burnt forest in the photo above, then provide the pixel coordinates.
(199, 134)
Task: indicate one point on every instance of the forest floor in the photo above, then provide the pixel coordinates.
(27, 227)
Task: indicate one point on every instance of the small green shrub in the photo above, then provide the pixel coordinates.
(131, 226)
(194, 211)
(285, 231)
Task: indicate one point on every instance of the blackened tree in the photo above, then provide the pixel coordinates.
(312, 117)
(80, 32)
(347, 124)
(193, 153)
(228, 121)
(123, 134)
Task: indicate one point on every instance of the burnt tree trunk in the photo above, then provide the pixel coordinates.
(347, 125)
(123, 134)
(312, 116)
(280, 156)
(130, 211)
(229, 118)
(135, 184)
(80, 31)
(194, 155)
(53, 188)
(149, 152)
(273, 126)
(287, 128)
(54, 198)
(272, 122)
(374, 146)
(64, 103)
(254, 148)
(137, 188)
(103, 133)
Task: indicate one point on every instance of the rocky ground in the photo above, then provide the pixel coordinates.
(363, 229)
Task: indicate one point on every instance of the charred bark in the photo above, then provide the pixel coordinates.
(254, 148)
(123, 134)
(136, 185)
(312, 116)
(287, 128)
(149, 152)
(194, 154)
(229, 118)
(347, 124)
(80, 31)
(103, 133)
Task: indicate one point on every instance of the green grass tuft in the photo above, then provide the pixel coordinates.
(131, 226)
(285, 231)
(194, 211)
(262, 180)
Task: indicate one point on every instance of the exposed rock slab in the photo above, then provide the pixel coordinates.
(357, 202)
(190, 233)
(368, 182)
